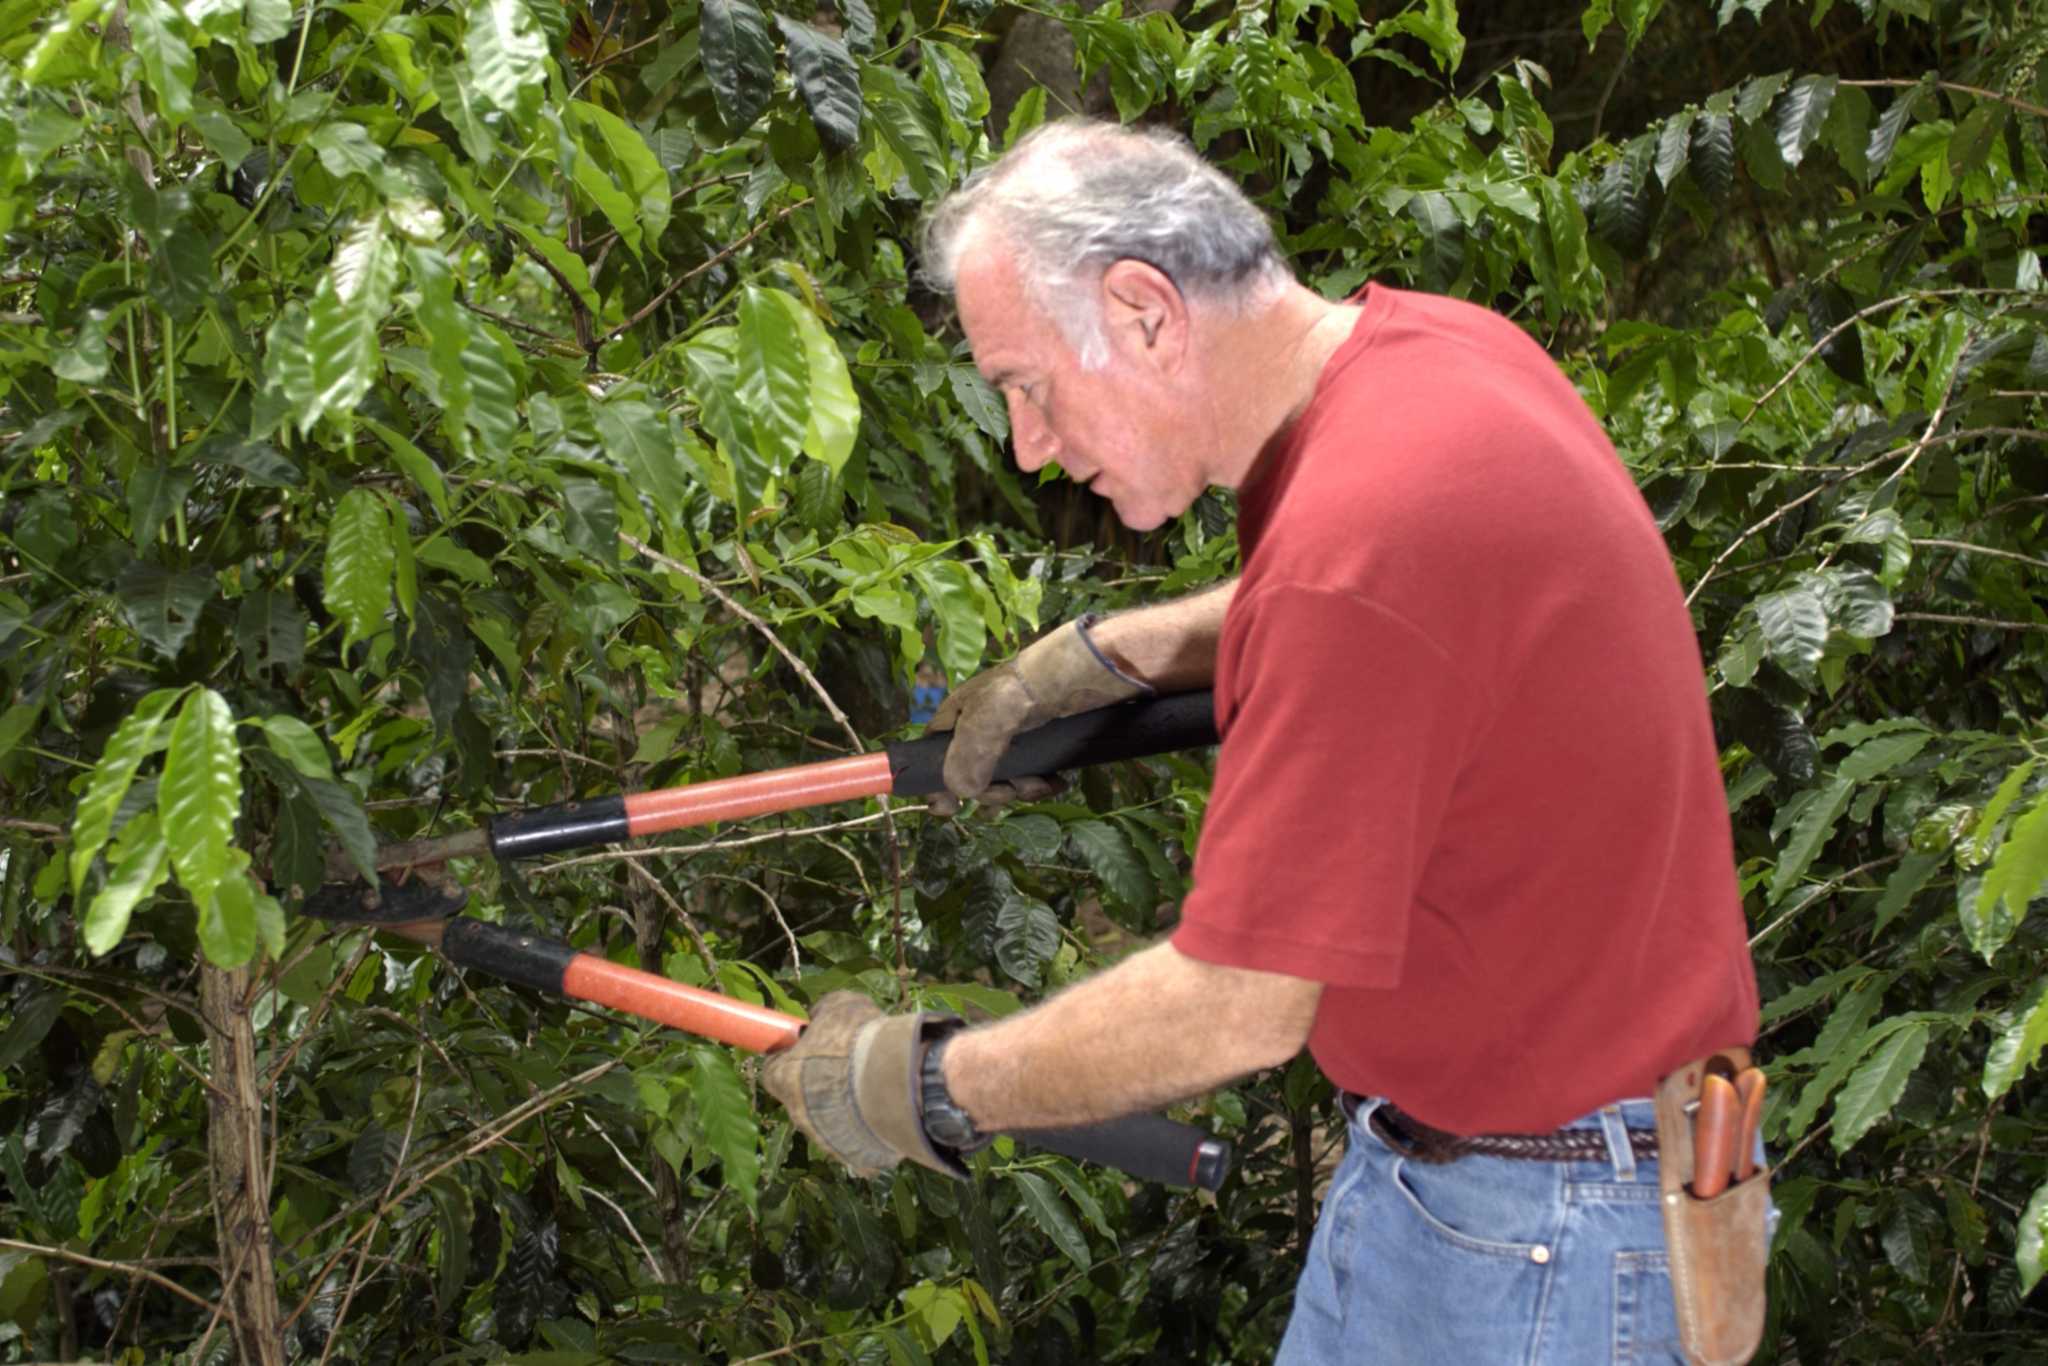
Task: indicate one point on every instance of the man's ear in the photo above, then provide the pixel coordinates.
(1146, 315)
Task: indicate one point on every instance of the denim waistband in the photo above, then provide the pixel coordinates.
(1615, 1119)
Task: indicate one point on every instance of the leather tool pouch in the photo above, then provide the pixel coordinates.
(1717, 1246)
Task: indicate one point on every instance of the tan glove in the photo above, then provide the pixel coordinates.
(1057, 675)
(851, 1083)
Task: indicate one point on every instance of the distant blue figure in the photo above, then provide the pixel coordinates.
(924, 700)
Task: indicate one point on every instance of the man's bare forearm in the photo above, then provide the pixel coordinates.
(1171, 645)
(1156, 1028)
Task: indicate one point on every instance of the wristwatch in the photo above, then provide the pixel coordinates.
(944, 1121)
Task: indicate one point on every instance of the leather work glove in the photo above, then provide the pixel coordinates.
(1057, 675)
(851, 1083)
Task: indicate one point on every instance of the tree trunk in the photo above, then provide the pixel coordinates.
(240, 1167)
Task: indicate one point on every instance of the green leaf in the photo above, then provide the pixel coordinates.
(739, 57)
(958, 600)
(1622, 203)
(16, 724)
(1986, 830)
(1027, 936)
(1795, 627)
(774, 376)
(506, 51)
(1025, 115)
(346, 149)
(343, 812)
(725, 1119)
(1674, 147)
(360, 565)
(167, 61)
(298, 744)
(2016, 876)
(638, 439)
(827, 79)
(1802, 113)
(1108, 854)
(163, 608)
(1885, 137)
(590, 518)
(1713, 155)
(133, 741)
(618, 146)
(1042, 1201)
(904, 117)
(2033, 1240)
(2018, 1046)
(140, 863)
(1443, 239)
(1876, 1085)
(199, 799)
(1828, 306)
(267, 20)
(340, 353)
(1882, 754)
(270, 632)
(833, 424)
(982, 404)
(1810, 830)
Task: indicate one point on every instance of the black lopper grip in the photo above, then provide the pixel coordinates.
(1149, 1147)
(1129, 730)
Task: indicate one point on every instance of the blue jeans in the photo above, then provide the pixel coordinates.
(1488, 1259)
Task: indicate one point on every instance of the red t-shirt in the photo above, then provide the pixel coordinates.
(1468, 779)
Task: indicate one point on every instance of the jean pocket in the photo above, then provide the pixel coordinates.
(1461, 1205)
(1645, 1315)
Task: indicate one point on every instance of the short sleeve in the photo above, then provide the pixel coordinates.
(1345, 725)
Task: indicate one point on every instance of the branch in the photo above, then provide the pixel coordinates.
(1989, 623)
(1967, 548)
(2036, 110)
(489, 1138)
(33, 827)
(135, 1269)
(694, 271)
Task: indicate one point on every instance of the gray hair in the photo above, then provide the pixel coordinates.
(1076, 196)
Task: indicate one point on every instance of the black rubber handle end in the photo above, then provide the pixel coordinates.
(1128, 730)
(1149, 1147)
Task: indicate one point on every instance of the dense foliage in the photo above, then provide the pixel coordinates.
(410, 412)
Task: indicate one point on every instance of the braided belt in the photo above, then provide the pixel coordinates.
(1418, 1142)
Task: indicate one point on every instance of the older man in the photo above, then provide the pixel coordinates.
(1467, 841)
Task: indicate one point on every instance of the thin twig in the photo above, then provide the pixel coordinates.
(795, 958)
(738, 842)
(355, 1280)
(653, 1266)
(492, 1135)
(505, 320)
(1988, 623)
(704, 953)
(1818, 893)
(693, 272)
(124, 1268)
(2036, 110)
(33, 827)
(1966, 547)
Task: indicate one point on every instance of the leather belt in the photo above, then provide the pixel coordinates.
(1419, 1142)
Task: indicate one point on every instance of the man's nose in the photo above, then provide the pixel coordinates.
(1031, 434)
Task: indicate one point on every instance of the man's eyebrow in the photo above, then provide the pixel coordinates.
(1000, 379)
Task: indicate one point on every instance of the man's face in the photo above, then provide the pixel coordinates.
(1113, 428)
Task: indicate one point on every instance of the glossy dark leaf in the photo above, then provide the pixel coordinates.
(1890, 124)
(1108, 853)
(1443, 239)
(1623, 203)
(163, 607)
(827, 79)
(1828, 306)
(270, 631)
(739, 57)
(1802, 112)
(1027, 936)
(34, 1013)
(1774, 733)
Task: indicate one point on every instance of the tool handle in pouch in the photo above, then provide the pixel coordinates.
(1717, 1245)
